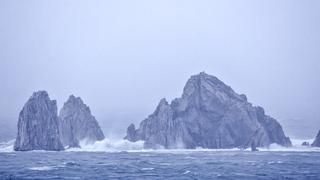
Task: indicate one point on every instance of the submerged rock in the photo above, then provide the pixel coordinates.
(77, 123)
(209, 115)
(38, 125)
(316, 142)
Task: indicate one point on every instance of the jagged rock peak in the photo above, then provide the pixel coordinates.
(77, 101)
(161, 106)
(316, 142)
(204, 84)
(163, 101)
(197, 82)
(40, 95)
(38, 125)
(77, 123)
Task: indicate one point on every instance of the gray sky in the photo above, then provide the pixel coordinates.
(123, 56)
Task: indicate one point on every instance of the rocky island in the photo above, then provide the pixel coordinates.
(316, 142)
(38, 125)
(78, 124)
(208, 115)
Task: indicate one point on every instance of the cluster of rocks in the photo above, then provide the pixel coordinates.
(209, 115)
(40, 127)
(316, 142)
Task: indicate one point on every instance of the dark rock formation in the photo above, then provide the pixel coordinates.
(254, 147)
(209, 115)
(316, 142)
(131, 135)
(305, 143)
(77, 123)
(38, 125)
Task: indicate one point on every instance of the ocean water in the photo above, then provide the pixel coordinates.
(115, 162)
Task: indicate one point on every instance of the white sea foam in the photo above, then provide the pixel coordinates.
(41, 168)
(147, 169)
(186, 172)
(298, 142)
(296, 147)
(108, 145)
(112, 145)
(7, 146)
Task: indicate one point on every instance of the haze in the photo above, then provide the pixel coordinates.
(122, 57)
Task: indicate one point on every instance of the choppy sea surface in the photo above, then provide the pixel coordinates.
(277, 163)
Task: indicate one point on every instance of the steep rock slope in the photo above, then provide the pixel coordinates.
(316, 142)
(209, 115)
(38, 125)
(77, 123)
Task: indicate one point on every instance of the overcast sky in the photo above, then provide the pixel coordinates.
(123, 56)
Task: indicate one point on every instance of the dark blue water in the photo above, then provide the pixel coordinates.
(160, 165)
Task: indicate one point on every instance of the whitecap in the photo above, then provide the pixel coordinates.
(186, 172)
(275, 162)
(147, 169)
(41, 168)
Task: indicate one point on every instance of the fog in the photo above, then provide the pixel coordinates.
(122, 57)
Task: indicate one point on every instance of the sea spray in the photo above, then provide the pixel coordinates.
(109, 145)
(116, 145)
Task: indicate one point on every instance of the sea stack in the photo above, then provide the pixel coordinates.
(77, 123)
(208, 115)
(316, 142)
(38, 125)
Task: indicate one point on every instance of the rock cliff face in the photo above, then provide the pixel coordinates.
(77, 123)
(316, 142)
(209, 115)
(38, 125)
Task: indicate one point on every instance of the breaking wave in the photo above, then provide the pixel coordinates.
(109, 145)
(7, 146)
(113, 145)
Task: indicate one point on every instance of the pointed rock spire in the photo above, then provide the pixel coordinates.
(77, 123)
(38, 125)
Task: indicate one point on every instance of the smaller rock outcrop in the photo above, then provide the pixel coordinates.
(38, 125)
(131, 133)
(77, 123)
(316, 142)
(305, 143)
